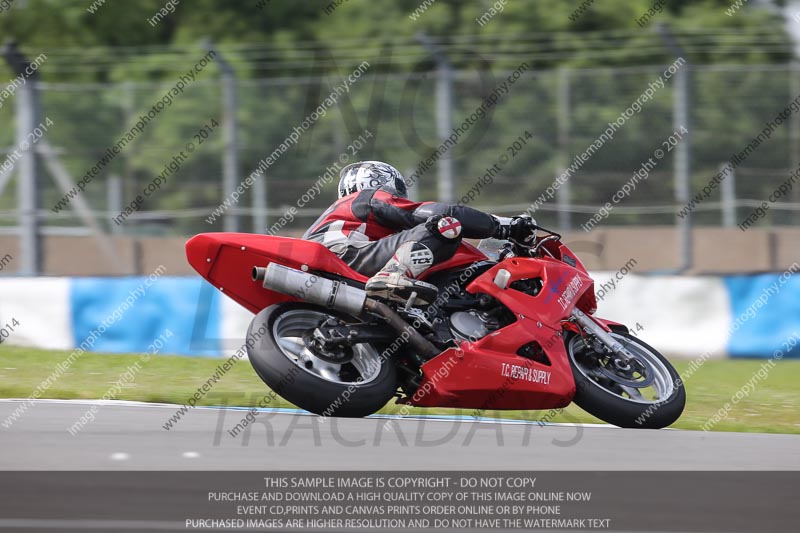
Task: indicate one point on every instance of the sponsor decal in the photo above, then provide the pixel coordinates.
(570, 292)
(524, 373)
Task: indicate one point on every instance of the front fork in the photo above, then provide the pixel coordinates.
(590, 326)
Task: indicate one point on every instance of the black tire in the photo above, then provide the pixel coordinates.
(624, 412)
(305, 389)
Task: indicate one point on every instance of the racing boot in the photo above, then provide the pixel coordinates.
(395, 281)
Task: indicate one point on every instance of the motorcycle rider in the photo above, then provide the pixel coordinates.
(376, 230)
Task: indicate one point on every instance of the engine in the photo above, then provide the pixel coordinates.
(472, 325)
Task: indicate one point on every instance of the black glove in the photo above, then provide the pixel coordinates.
(522, 229)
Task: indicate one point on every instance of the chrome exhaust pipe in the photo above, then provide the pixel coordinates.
(339, 296)
(259, 273)
(311, 288)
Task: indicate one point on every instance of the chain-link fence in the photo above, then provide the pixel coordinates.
(513, 142)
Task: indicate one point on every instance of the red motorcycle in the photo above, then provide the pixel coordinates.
(512, 328)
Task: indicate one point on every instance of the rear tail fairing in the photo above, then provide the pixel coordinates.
(226, 260)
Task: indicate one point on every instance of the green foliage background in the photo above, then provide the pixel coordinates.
(105, 68)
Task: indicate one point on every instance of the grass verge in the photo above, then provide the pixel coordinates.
(772, 407)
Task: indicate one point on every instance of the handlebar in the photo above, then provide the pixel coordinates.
(533, 248)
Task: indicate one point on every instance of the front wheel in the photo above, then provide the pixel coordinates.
(645, 393)
(354, 383)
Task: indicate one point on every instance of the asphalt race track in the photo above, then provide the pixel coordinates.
(131, 436)
(107, 475)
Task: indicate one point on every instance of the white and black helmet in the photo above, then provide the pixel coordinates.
(371, 175)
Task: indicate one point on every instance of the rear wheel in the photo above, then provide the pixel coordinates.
(644, 393)
(352, 381)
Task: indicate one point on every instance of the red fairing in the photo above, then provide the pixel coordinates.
(227, 259)
(563, 287)
(489, 373)
(588, 302)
